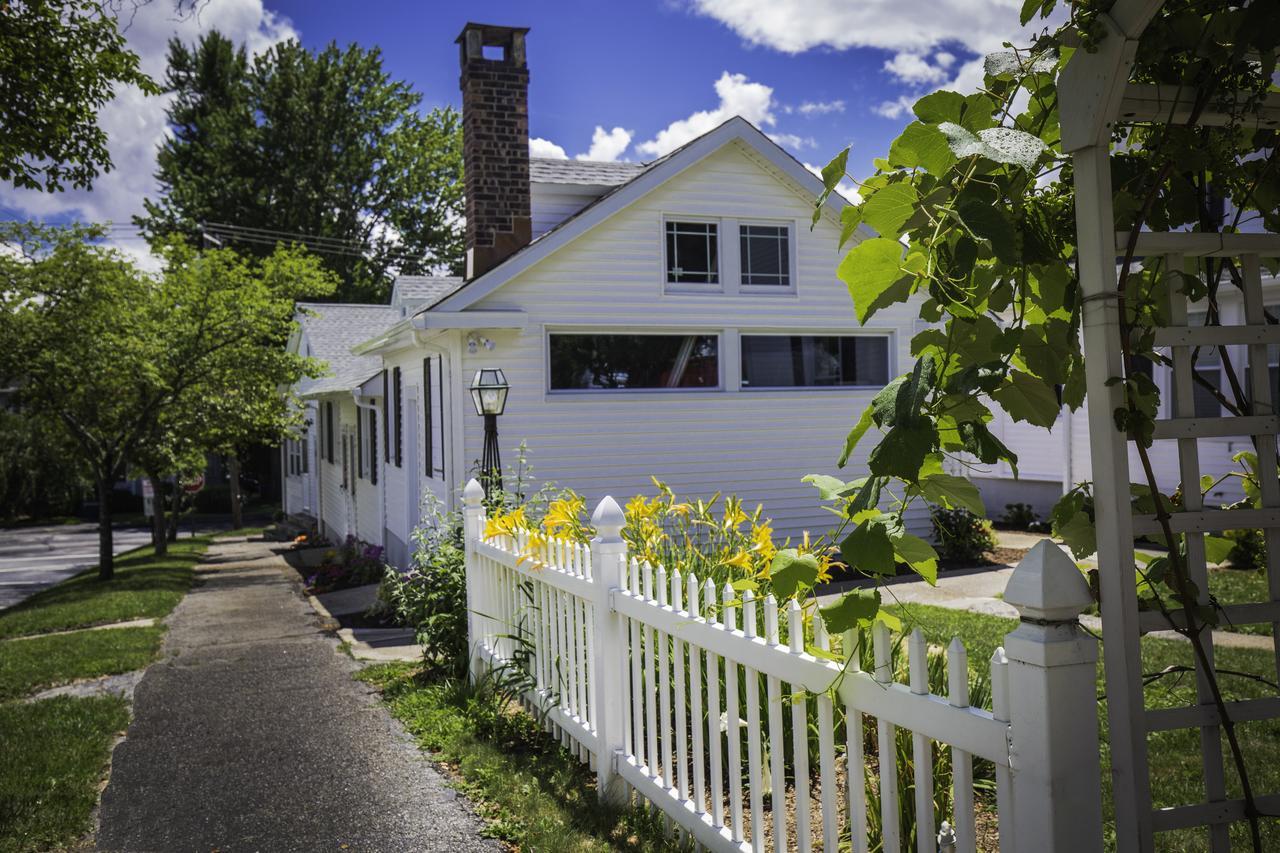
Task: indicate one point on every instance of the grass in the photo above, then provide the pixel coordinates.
(1175, 766)
(56, 752)
(143, 587)
(28, 665)
(532, 793)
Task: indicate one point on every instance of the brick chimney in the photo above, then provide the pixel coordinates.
(495, 144)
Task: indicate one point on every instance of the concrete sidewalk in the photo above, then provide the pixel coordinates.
(252, 736)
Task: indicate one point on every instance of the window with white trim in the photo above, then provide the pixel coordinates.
(613, 362)
(815, 361)
(765, 254)
(693, 255)
(1209, 369)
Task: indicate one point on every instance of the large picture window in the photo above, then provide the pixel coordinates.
(805, 361)
(766, 255)
(586, 362)
(692, 253)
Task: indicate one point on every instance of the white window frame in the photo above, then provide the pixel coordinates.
(694, 287)
(702, 331)
(891, 364)
(788, 289)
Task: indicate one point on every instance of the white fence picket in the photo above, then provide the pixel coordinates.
(675, 734)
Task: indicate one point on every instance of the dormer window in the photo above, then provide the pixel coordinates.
(766, 255)
(693, 255)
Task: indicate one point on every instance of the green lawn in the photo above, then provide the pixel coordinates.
(27, 665)
(1176, 771)
(143, 587)
(532, 793)
(1239, 586)
(55, 754)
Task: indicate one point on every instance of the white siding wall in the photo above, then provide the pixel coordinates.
(756, 444)
(552, 204)
(333, 498)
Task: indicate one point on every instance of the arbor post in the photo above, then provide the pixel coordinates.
(1053, 713)
(472, 530)
(608, 557)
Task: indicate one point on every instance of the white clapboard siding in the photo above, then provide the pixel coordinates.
(550, 205)
(755, 444)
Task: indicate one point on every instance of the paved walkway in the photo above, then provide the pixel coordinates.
(251, 735)
(32, 558)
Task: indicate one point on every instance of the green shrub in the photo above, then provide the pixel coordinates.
(1019, 516)
(961, 535)
(431, 597)
(1248, 550)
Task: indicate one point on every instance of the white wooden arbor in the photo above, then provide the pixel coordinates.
(1094, 95)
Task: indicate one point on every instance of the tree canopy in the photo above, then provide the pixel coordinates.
(60, 62)
(321, 144)
(149, 370)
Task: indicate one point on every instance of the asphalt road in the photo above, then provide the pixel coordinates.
(32, 558)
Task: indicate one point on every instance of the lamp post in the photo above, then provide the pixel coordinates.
(489, 394)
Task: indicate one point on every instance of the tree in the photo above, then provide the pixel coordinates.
(60, 61)
(321, 144)
(126, 362)
(974, 208)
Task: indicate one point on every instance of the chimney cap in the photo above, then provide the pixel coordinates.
(490, 34)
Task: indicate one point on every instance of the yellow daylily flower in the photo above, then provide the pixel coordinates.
(740, 560)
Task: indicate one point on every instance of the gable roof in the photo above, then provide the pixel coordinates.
(649, 178)
(596, 173)
(331, 330)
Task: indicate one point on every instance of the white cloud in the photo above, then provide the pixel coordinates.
(135, 123)
(896, 108)
(944, 59)
(914, 69)
(546, 148)
(738, 97)
(818, 108)
(793, 26)
(607, 145)
(791, 140)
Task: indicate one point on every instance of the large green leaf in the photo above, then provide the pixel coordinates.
(868, 549)
(988, 222)
(952, 492)
(903, 449)
(918, 554)
(832, 174)
(855, 435)
(1028, 399)
(1079, 534)
(940, 106)
(791, 571)
(870, 269)
(1001, 144)
(922, 146)
(890, 207)
(856, 607)
(829, 488)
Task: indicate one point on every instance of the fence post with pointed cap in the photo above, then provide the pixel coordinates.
(1053, 706)
(608, 557)
(472, 530)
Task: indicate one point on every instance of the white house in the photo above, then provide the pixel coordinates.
(679, 319)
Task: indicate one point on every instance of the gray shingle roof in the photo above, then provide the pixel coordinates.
(423, 287)
(543, 170)
(332, 330)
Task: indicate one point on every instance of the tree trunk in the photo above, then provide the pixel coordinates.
(106, 547)
(173, 511)
(233, 472)
(159, 535)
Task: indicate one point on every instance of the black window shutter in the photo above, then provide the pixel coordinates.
(373, 447)
(386, 419)
(398, 386)
(428, 443)
(444, 447)
(328, 430)
(359, 446)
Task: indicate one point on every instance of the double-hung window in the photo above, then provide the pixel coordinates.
(621, 362)
(815, 361)
(693, 253)
(765, 255)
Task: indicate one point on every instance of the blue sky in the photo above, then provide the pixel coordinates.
(613, 79)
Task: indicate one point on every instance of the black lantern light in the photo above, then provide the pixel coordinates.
(489, 394)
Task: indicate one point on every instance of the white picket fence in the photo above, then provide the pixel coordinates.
(625, 664)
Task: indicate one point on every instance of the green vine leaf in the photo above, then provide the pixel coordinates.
(922, 146)
(902, 451)
(952, 492)
(856, 608)
(873, 272)
(855, 435)
(868, 549)
(1028, 399)
(890, 208)
(918, 554)
(792, 571)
